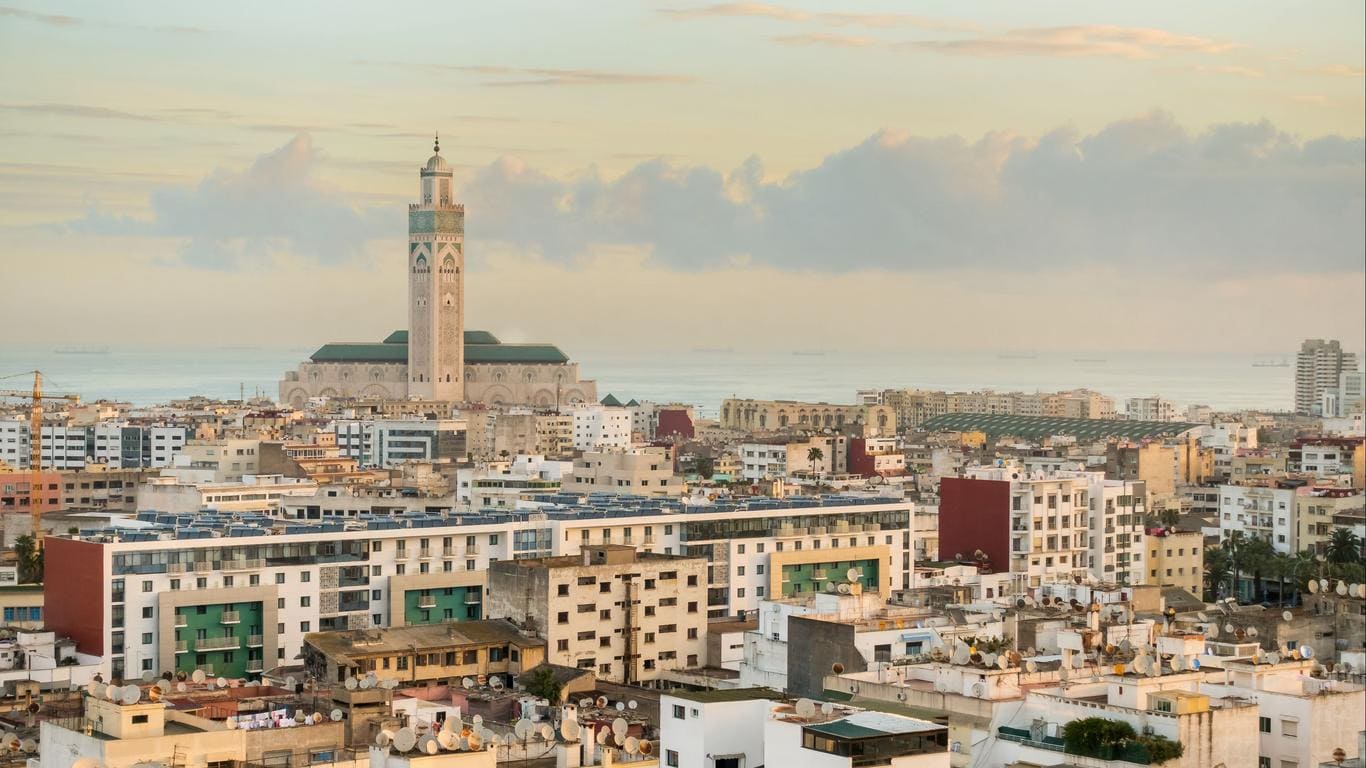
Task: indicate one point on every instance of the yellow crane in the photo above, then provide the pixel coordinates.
(35, 443)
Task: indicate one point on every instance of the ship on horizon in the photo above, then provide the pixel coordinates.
(81, 350)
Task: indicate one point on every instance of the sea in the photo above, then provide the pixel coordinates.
(145, 375)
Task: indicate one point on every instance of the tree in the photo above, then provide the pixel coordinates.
(1218, 571)
(30, 559)
(815, 456)
(1282, 566)
(1344, 546)
(705, 467)
(541, 682)
(1257, 554)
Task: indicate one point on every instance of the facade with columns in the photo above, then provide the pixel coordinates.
(437, 358)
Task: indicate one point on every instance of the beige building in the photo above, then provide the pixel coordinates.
(774, 415)
(426, 654)
(625, 615)
(542, 434)
(1315, 509)
(834, 457)
(645, 471)
(1177, 559)
(437, 358)
(1162, 467)
(1256, 466)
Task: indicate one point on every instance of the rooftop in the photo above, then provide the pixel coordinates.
(1035, 427)
(391, 640)
(869, 724)
(718, 695)
(480, 347)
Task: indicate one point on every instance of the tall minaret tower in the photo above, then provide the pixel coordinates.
(436, 288)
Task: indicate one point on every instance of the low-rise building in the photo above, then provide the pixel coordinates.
(646, 471)
(1176, 559)
(425, 654)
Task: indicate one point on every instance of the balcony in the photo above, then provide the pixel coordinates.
(649, 538)
(180, 621)
(205, 668)
(448, 551)
(424, 554)
(182, 646)
(471, 549)
(255, 641)
(255, 665)
(203, 567)
(218, 644)
(472, 598)
(230, 617)
(426, 601)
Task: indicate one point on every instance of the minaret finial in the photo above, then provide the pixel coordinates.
(436, 143)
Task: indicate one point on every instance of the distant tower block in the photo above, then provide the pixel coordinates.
(436, 288)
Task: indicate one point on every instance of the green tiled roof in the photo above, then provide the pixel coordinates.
(1033, 427)
(480, 347)
(611, 401)
(844, 729)
(471, 337)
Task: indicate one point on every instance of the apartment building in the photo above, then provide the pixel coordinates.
(113, 444)
(1117, 512)
(390, 442)
(762, 461)
(526, 432)
(1315, 512)
(1325, 457)
(1176, 559)
(1035, 525)
(354, 562)
(625, 615)
(598, 427)
(1261, 511)
(645, 471)
(876, 457)
(1319, 366)
(830, 452)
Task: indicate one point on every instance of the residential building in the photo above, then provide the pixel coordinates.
(1315, 512)
(510, 485)
(762, 461)
(1117, 513)
(1325, 457)
(390, 442)
(756, 416)
(831, 457)
(74, 446)
(1152, 408)
(1176, 559)
(252, 493)
(647, 471)
(599, 427)
(424, 654)
(1319, 366)
(876, 457)
(1261, 511)
(624, 614)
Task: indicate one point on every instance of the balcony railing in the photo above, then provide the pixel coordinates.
(255, 641)
(472, 598)
(448, 551)
(424, 554)
(182, 646)
(426, 601)
(180, 620)
(230, 617)
(218, 644)
(255, 665)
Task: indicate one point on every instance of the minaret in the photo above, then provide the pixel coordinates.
(436, 291)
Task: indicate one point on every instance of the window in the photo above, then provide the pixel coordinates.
(562, 617)
(279, 578)
(671, 758)
(1290, 728)
(139, 719)
(679, 712)
(1264, 724)
(562, 590)
(305, 577)
(147, 586)
(561, 645)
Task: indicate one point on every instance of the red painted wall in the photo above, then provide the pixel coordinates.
(860, 463)
(973, 515)
(674, 421)
(73, 592)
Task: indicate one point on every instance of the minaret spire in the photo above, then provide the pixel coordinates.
(436, 143)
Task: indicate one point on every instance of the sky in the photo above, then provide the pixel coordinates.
(936, 175)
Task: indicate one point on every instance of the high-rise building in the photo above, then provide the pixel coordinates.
(1318, 369)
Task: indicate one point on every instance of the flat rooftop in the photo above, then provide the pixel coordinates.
(1035, 427)
(402, 640)
(869, 724)
(732, 694)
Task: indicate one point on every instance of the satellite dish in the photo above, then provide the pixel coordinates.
(1341, 589)
(1228, 628)
(28, 745)
(632, 704)
(1212, 630)
(522, 728)
(447, 739)
(830, 586)
(1003, 661)
(621, 706)
(806, 708)
(384, 738)
(603, 735)
(632, 745)
(1287, 616)
(428, 745)
(181, 687)
(367, 683)
(961, 654)
(336, 715)
(1178, 663)
(1306, 651)
(222, 682)
(620, 726)
(569, 729)
(853, 574)
(96, 689)
(1252, 632)
(147, 676)
(601, 702)
(477, 720)
(405, 739)
(197, 676)
(1273, 658)
(827, 708)
(474, 741)
(389, 684)
(467, 683)
(1125, 645)
(1201, 616)
(1313, 586)
(547, 733)
(495, 682)
(351, 684)
(585, 703)
(1031, 666)
(647, 748)
(290, 682)
(619, 739)
(230, 724)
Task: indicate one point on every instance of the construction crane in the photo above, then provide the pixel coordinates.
(35, 443)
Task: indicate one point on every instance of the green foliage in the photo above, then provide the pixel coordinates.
(704, 467)
(1344, 546)
(30, 558)
(1117, 740)
(541, 682)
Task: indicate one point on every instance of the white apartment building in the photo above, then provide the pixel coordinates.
(1117, 532)
(113, 444)
(1266, 513)
(349, 569)
(1049, 522)
(750, 727)
(253, 493)
(390, 442)
(601, 426)
(1319, 366)
(510, 485)
(762, 461)
(1152, 408)
(646, 471)
(1225, 439)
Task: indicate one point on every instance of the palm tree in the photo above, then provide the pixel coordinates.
(1258, 553)
(1218, 571)
(1282, 565)
(1344, 546)
(30, 558)
(1234, 545)
(815, 456)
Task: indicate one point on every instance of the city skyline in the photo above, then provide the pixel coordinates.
(939, 161)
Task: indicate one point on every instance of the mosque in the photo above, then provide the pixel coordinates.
(437, 358)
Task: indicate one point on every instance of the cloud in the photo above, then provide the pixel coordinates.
(232, 219)
(1143, 192)
(79, 110)
(51, 19)
(1236, 71)
(1094, 40)
(827, 39)
(506, 76)
(1336, 70)
(782, 13)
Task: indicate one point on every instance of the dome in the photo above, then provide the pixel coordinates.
(436, 163)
